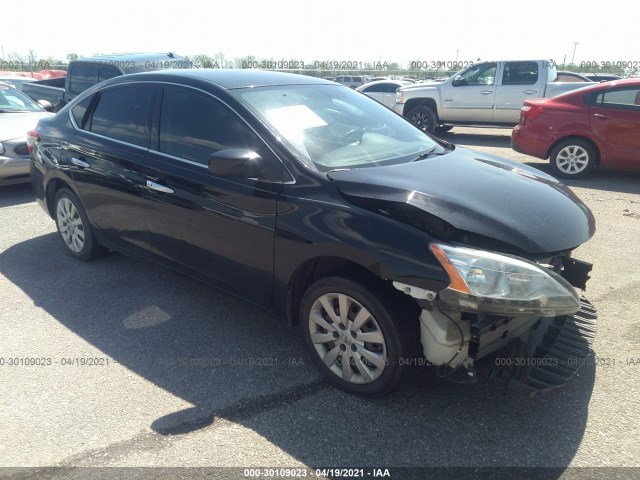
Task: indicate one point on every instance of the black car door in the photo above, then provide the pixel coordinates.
(218, 229)
(107, 157)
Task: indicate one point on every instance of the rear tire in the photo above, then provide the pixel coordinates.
(424, 118)
(73, 226)
(357, 341)
(573, 158)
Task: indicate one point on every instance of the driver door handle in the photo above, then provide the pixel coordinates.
(530, 92)
(80, 163)
(158, 187)
(603, 117)
(486, 92)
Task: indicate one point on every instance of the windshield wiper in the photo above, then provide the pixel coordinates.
(427, 154)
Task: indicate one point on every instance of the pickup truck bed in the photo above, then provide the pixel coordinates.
(51, 90)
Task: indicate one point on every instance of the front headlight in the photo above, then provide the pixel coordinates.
(492, 283)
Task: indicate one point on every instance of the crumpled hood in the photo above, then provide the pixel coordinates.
(16, 125)
(482, 194)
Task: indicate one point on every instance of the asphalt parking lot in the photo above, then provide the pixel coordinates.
(139, 367)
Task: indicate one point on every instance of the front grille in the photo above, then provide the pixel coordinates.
(21, 149)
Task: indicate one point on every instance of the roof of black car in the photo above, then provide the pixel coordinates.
(240, 78)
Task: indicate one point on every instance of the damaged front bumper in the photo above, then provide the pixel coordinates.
(557, 349)
(531, 354)
(533, 351)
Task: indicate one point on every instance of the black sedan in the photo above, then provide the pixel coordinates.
(387, 247)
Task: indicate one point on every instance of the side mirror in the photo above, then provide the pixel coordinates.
(47, 105)
(459, 82)
(236, 163)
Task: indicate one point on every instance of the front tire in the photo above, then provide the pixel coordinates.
(573, 158)
(73, 226)
(424, 118)
(353, 336)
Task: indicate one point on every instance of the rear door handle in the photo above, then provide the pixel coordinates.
(80, 163)
(530, 92)
(158, 187)
(603, 117)
(486, 92)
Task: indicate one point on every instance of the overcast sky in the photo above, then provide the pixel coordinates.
(400, 31)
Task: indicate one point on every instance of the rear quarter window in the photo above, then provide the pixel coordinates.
(79, 111)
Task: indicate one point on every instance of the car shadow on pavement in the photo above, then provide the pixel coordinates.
(12, 195)
(235, 364)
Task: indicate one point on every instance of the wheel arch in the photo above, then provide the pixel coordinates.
(53, 186)
(325, 266)
(421, 102)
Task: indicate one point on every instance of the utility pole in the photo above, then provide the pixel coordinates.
(457, 51)
(575, 45)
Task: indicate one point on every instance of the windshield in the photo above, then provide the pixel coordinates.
(332, 127)
(11, 100)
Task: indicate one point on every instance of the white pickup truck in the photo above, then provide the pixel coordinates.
(486, 93)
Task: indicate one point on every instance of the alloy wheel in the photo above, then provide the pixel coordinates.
(572, 159)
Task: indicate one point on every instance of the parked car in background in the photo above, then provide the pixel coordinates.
(602, 77)
(350, 81)
(331, 212)
(486, 93)
(86, 72)
(18, 114)
(595, 127)
(384, 91)
(564, 76)
(16, 81)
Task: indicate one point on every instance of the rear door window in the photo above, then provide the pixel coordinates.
(628, 98)
(124, 113)
(520, 73)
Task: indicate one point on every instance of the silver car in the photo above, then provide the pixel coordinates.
(16, 81)
(384, 91)
(350, 81)
(18, 115)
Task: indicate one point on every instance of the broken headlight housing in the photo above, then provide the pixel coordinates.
(492, 283)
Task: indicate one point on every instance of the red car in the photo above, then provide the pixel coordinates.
(593, 127)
